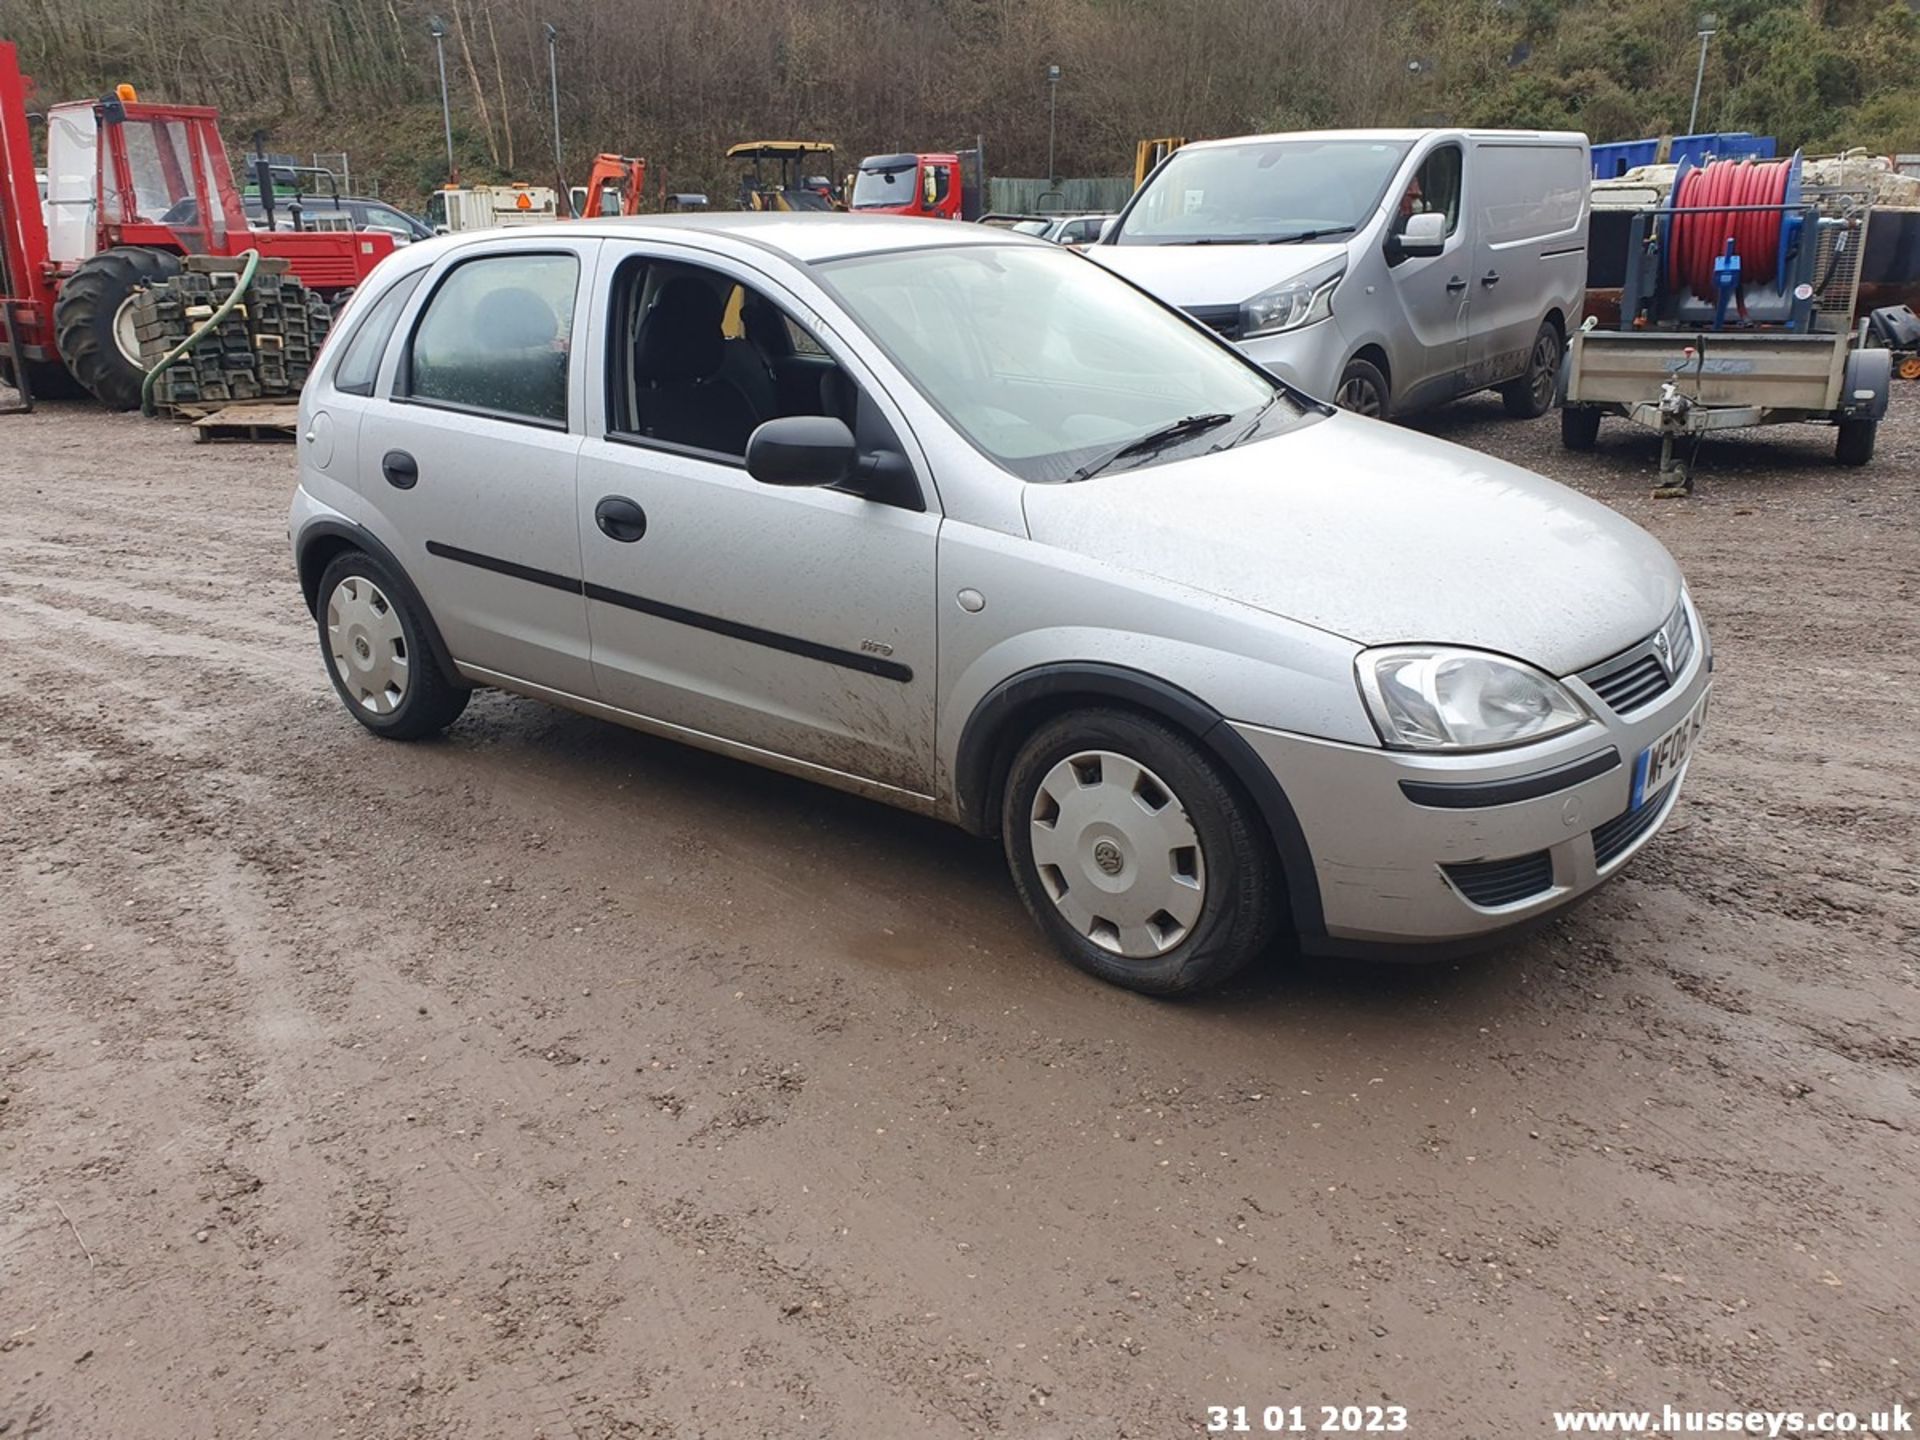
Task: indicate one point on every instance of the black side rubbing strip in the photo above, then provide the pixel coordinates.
(503, 567)
(754, 635)
(732, 629)
(1480, 794)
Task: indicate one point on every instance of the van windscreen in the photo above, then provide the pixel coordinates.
(1262, 192)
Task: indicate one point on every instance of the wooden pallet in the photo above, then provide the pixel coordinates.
(255, 422)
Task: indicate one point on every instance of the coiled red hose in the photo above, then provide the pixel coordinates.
(1695, 241)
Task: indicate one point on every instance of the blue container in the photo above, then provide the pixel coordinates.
(1727, 145)
(1614, 160)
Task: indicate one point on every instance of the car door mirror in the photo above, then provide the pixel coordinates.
(1424, 234)
(801, 450)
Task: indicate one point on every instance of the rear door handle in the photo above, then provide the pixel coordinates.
(620, 519)
(1492, 277)
(1456, 285)
(401, 469)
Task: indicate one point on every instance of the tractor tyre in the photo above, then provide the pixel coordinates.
(93, 321)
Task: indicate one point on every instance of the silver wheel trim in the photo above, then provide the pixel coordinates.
(366, 646)
(1117, 854)
(1359, 395)
(125, 337)
(1544, 374)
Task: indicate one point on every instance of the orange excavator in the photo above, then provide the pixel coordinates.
(613, 187)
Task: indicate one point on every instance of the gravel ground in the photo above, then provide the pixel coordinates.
(549, 1080)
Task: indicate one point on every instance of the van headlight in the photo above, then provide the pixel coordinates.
(1291, 304)
(1430, 697)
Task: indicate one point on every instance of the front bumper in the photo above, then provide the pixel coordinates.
(1396, 873)
(1308, 359)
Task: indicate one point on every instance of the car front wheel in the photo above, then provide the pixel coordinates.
(1363, 389)
(376, 653)
(1136, 854)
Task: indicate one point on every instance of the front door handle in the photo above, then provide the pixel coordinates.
(1456, 285)
(1492, 277)
(401, 469)
(620, 519)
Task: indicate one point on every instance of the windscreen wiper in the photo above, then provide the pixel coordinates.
(1305, 235)
(1179, 430)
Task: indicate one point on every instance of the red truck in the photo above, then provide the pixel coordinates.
(943, 186)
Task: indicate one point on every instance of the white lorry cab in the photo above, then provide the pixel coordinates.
(1386, 270)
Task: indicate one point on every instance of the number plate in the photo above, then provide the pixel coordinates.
(1657, 765)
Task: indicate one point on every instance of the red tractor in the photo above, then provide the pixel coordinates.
(132, 190)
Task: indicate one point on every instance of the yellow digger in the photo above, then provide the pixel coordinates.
(786, 175)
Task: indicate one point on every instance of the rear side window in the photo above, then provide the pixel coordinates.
(495, 338)
(361, 363)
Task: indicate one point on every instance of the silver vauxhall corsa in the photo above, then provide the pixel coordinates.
(965, 523)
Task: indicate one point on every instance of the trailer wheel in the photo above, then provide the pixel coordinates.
(93, 321)
(1579, 427)
(1854, 445)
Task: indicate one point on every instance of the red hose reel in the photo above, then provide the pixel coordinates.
(1696, 240)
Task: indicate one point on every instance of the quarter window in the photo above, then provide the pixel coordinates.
(360, 365)
(496, 336)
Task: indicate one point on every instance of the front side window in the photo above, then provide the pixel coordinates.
(360, 363)
(1262, 192)
(1434, 190)
(496, 336)
(1046, 362)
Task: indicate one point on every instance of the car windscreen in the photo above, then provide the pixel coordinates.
(1262, 191)
(884, 187)
(1047, 363)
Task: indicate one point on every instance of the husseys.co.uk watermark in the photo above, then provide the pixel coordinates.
(1668, 1421)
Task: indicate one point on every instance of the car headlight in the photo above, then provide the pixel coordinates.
(1290, 305)
(1429, 697)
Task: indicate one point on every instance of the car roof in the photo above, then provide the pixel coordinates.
(801, 237)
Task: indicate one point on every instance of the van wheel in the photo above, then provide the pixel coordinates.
(1579, 427)
(1363, 389)
(1854, 444)
(1531, 396)
(1136, 855)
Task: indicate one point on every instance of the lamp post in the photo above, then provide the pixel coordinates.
(1700, 74)
(437, 28)
(553, 81)
(1053, 98)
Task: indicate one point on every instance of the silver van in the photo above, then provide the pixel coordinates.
(1386, 270)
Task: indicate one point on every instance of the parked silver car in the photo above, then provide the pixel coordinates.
(960, 521)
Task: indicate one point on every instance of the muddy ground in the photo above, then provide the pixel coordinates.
(554, 1081)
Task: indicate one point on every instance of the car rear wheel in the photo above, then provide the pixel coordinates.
(1136, 854)
(1363, 389)
(376, 653)
(1531, 396)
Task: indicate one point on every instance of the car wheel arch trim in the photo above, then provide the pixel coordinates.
(982, 760)
(314, 559)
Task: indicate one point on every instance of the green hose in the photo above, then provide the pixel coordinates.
(252, 257)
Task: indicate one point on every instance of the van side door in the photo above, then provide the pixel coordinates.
(1436, 295)
(1529, 212)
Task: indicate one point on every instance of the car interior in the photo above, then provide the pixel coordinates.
(708, 360)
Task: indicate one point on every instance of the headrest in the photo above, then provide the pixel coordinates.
(680, 335)
(515, 319)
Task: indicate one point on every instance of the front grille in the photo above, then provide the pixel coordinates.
(1642, 675)
(1634, 684)
(1223, 319)
(1493, 883)
(1617, 836)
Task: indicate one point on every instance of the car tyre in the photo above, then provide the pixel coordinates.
(1531, 396)
(1579, 427)
(1136, 853)
(376, 653)
(1854, 444)
(1363, 390)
